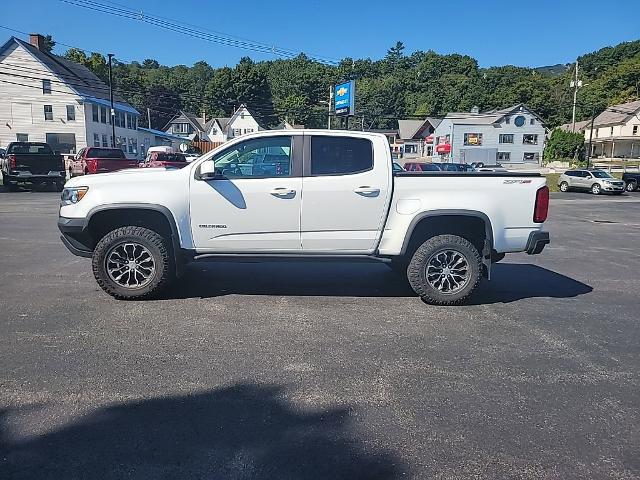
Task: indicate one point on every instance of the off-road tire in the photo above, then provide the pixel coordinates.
(416, 272)
(564, 187)
(156, 244)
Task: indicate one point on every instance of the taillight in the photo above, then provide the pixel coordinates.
(12, 162)
(541, 209)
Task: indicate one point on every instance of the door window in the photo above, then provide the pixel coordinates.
(257, 158)
(340, 155)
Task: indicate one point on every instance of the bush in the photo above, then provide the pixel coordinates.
(564, 145)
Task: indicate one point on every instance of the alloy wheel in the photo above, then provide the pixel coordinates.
(447, 271)
(130, 265)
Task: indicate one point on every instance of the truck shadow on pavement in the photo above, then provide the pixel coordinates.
(510, 282)
(243, 431)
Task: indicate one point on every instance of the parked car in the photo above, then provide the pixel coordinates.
(631, 181)
(92, 160)
(595, 181)
(32, 163)
(455, 167)
(164, 160)
(421, 167)
(3, 152)
(337, 198)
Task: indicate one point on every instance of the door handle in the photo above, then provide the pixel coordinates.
(367, 191)
(283, 192)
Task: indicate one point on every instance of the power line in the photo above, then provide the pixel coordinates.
(185, 29)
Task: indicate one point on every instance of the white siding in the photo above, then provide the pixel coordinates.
(243, 121)
(22, 101)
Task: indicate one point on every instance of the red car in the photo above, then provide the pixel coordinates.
(99, 160)
(421, 167)
(165, 160)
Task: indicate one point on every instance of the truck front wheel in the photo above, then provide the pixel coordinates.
(133, 263)
(445, 270)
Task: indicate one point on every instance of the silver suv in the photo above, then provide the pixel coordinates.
(596, 181)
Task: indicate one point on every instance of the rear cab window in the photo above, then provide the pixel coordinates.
(109, 153)
(30, 148)
(340, 155)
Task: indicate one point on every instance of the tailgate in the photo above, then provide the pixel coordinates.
(114, 164)
(38, 164)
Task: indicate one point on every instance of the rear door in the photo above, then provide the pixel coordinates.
(346, 191)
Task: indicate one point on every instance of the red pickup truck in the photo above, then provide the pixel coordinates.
(99, 160)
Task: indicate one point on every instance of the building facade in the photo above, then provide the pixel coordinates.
(616, 132)
(47, 98)
(509, 136)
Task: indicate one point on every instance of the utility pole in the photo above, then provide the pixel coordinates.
(588, 155)
(575, 84)
(113, 110)
(329, 113)
(149, 117)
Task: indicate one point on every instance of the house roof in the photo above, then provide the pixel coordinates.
(617, 114)
(487, 118)
(410, 128)
(222, 122)
(580, 126)
(196, 122)
(237, 112)
(76, 77)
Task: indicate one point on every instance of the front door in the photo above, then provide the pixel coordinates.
(253, 204)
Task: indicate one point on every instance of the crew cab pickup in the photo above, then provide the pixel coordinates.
(92, 160)
(33, 163)
(328, 194)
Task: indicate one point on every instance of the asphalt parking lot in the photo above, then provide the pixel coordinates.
(323, 370)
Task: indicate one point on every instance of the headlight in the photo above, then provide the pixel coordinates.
(73, 195)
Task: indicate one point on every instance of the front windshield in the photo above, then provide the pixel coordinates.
(601, 174)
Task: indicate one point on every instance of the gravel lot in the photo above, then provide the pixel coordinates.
(323, 370)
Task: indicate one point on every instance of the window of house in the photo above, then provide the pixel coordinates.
(530, 139)
(340, 155)
(530, 157)
(103, 114)
(46, 86)
(612, 131)
(131, 145)
(95, 112)
(635, 130)
(61, 142)
(532, 121)
(237, 132)
(181, 128)
(410, 148)
(134, 145)
(503, 156)
(71, 113)
(506, 138)
(96, 140)
(260, 157)
(22, 137)
(242, 116)
(473, 139)
(507, 120)
(48, 112)
(104, 140)
(248, 130)
(123, 144)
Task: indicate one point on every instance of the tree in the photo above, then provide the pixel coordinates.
(564, 145)
(49, 43)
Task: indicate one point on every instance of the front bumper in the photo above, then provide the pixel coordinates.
(537, 241)
(75, 237)
(612, 188)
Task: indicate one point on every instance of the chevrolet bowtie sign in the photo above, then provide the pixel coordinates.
(345, 98)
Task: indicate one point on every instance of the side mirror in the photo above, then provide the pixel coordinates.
(204, 172)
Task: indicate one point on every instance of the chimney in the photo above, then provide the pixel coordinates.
(37, 41)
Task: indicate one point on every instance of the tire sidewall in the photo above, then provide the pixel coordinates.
(596, 189)
(152, 241)
(416, 272)
(630, 186)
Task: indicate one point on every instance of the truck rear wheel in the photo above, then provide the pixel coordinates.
(445, 270)
(133, 263)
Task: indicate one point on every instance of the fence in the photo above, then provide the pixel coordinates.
(206, 146)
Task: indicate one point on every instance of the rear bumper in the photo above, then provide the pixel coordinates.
(51, 177)
(75, 237)
(537, 241)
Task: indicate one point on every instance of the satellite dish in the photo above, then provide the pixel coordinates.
(183, 147)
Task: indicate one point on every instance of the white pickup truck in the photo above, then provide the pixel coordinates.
(304, 193)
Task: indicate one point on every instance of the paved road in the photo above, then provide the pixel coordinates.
(320, 370)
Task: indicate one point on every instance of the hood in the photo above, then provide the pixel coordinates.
(128, 175)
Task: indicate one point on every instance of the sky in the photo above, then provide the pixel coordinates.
(494, 32)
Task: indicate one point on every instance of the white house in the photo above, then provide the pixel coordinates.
(616, 132)
(416, 137)
(511, 135)
(47, 98)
